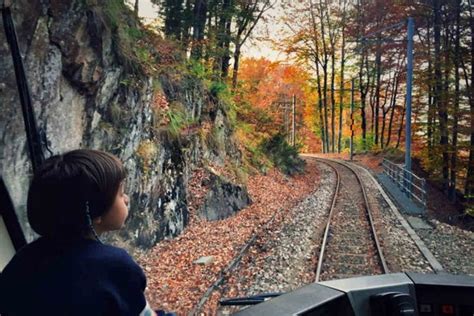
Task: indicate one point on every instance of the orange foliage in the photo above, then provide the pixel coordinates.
(263, 85)
(263, 82)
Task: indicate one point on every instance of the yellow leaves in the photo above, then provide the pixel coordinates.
(147, 151)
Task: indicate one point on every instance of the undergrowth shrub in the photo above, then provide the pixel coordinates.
(177, 119)
(364, 145)
(283, 156)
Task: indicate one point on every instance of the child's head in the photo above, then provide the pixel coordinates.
(67, 187)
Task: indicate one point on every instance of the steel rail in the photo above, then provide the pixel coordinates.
(371, 220)
(368, 212)
(326, 231)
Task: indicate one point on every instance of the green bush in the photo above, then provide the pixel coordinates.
(363, 146)
(283, 156)
(114, 10)
(198, 70)
(470, 211)
(218, 88)
(177, 120)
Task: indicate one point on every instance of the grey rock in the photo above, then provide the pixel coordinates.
(204, 260)
(82, 97)
(223, 199)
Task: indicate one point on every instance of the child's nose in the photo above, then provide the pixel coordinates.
(127, 199)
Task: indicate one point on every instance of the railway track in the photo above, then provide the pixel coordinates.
(350, 245)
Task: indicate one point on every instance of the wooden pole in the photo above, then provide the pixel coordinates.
(352, 119)
(293, 133)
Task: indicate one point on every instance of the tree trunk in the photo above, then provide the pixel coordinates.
(332, 38)
(440, 102)
(245, 26)
(187, 24)
(457, 56)
(325, 103)
(320, 106)
(392, 107)
(325, 73)
(371, 98)
(317, 63)
(200, 15)
(401, 124)
(223, 38)
(341, 85)
(226, 58)
(430, 91)
(444, 141)
(135, 8)
(235, 73)
(363, 95)
(469, 190)
(333, 100)
(384, 112)
(378, 65)
(212, 33)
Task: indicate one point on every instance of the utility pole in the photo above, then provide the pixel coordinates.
(289, 127)
(352, 119)
(411, 31)
(287, 119)
(293, 133)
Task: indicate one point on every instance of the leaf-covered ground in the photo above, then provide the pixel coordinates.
(175, 282)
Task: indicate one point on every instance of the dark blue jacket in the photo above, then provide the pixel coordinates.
(75, 277)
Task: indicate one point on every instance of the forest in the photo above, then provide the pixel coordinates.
(335, 49)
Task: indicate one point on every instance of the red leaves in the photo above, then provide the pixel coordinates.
(174, 282)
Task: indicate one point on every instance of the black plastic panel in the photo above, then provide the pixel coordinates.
(427, 295)
(444, 295)
(313, 299)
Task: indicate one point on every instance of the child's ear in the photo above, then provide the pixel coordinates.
(98, 220)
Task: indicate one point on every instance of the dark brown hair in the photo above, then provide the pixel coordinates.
(64, 184)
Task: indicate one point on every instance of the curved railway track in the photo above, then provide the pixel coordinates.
(350, 245)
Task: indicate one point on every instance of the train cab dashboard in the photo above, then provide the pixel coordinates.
(407, 294)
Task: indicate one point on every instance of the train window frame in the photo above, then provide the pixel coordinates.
(12, 237)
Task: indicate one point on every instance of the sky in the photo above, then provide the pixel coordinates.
(253, 47)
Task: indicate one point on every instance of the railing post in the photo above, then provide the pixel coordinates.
(414, 187)
(400, 179)
(425, 193)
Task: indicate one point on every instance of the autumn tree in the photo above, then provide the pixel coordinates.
(213, 30)
(173, 22)
(263, 86)
(337, 41)
(249, 13)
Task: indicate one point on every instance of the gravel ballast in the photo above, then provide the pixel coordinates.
(453, 247)
(283, 259)
(401, 252)
(290, 260)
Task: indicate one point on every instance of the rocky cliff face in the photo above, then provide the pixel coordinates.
(85, 95)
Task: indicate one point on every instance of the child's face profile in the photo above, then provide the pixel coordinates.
(115, 217)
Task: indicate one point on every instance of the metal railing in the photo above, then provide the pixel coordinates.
(413, 186)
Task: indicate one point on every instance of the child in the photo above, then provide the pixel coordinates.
(72, 199)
